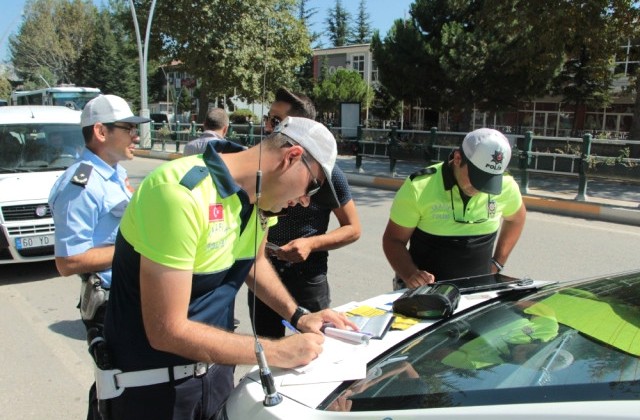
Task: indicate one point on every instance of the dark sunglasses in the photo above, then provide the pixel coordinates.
(315, 185)
(274, 121)
(467, 222)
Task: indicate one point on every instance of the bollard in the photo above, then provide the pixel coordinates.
(525, 162)
(177, 137)
(393, 144)
(250, 139)
(584, 164)
(152, 134)
(429, 153)
(358, 151)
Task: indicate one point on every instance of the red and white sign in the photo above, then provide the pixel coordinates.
(216, 213)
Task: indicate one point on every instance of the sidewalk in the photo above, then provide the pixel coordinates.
(610, 201)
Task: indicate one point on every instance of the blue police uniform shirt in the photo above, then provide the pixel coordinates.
(87, 210)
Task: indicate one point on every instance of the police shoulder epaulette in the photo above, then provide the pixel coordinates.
(194, 176)
(425, 171)
(81, 177)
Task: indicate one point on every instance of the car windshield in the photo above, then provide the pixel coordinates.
(578, 343)
(31, 147)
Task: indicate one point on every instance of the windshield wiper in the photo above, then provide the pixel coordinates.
(558, 357)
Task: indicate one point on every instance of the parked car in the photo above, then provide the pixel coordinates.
(37, 143)
(543, 351)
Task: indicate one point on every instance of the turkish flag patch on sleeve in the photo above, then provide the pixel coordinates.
(216, 212)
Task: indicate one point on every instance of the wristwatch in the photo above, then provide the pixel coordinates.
(298, 314)
(498, 266)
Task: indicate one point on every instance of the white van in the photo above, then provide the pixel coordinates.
(37, 143)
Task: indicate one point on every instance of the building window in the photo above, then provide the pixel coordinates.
(357, 63)
(374, 71)
(627, 59)
(546, 119)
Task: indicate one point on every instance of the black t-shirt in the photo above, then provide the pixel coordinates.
(309, 221)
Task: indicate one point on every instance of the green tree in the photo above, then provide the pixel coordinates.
(50, 37)
(338, 25)
(634, 88)
(405, 64)
(362, 29)
(491, 54)
(586, 77)
(342, 86)
(5, 87)
(304, 74)
(184, 101)
(625, 16)
(304, 15)
(233, 47)
(385, 106)
(107, 64)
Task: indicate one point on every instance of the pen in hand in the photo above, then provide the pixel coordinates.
(288, 325)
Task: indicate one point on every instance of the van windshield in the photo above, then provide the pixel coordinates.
(40, 147)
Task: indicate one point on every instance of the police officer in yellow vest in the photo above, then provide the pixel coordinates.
(451, 214)
(186, 244)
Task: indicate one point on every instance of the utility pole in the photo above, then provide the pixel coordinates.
(143, 54)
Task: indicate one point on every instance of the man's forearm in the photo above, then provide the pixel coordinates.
(509, 234)
(92, 260)
(269, 288)
(337, 238)
(400, 259)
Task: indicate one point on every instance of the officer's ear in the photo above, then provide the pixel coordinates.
(100, 131)
(293, 154)
(458, 159)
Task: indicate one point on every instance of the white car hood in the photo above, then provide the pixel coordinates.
(27, 186)
(313, 392)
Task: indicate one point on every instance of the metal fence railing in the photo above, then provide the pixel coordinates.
(176, 135)
(582, 157)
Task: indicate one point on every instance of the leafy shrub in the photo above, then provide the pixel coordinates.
(242, 116)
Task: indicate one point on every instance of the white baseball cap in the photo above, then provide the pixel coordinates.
(488, 153)
(108, 109)
(318, 141)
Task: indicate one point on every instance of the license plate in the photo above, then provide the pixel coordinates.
(34, 241)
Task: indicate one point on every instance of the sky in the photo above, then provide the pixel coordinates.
(382, 14)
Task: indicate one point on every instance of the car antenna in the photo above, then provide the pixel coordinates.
(271, 395)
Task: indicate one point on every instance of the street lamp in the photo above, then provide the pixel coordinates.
(143, 53)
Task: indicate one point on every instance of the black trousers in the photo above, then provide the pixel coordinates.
(311, 292)
(96, 322)
(185, 399)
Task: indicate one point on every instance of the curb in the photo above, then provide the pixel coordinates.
(154, 154)
(563, 207)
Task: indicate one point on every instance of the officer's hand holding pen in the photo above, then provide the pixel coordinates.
(294, 350)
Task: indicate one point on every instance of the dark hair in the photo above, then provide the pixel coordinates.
(301, 105)
(87, 133)
(216, 119)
